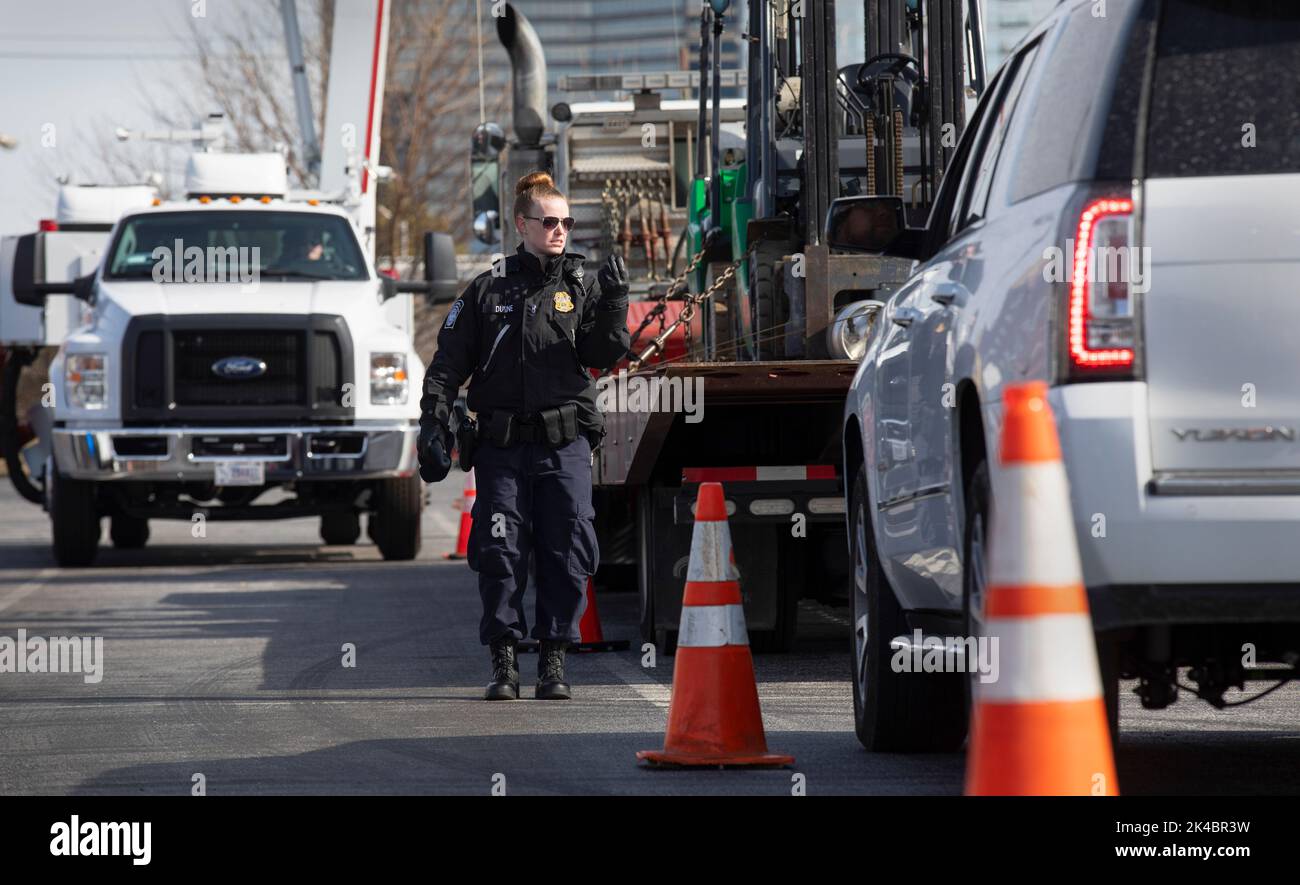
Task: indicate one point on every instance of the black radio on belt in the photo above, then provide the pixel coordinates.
(555, 427)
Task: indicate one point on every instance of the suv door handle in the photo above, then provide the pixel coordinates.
(904, 316)
(947, 292)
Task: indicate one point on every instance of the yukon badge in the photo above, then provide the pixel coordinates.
(238, 367)
(1236, 434)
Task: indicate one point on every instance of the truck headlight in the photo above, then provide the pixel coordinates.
(86, 379)
(846, 338)
(388, 381)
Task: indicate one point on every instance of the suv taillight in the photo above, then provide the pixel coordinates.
(1100, 332)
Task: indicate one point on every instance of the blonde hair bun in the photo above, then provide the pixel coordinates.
(531, 188)
(539, 180)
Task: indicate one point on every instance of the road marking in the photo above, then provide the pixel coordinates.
(27, 589)
(653, 693)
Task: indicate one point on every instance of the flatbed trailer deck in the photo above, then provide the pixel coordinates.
(769, 432)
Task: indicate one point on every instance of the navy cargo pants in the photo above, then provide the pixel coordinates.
(533, 500)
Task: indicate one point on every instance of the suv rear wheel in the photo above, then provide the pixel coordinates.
(975, 585)
(892, 711)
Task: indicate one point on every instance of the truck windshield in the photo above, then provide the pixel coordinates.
(223, 246)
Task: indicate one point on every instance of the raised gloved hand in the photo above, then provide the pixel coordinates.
(433, 449)
(613, 281)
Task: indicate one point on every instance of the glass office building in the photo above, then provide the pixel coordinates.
(1006, 21)
(625, 36)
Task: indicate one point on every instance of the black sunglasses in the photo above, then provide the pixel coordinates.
(550, 221)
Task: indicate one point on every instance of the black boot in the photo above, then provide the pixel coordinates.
(505, 672)
(550, 671)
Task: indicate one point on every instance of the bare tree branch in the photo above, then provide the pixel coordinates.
(240, 69)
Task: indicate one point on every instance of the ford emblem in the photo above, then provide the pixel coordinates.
(236, 367)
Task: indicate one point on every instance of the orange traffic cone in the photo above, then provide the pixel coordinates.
(466, 505)
(593, 637)
(1040, 727)
(714, 717)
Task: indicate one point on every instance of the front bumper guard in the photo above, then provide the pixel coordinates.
(190, 454)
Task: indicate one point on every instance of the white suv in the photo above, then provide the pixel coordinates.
(1122, 221)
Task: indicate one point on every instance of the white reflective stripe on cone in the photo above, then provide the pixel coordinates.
(1031, 538)
(711, 626)
(711, 553)
(1042, 658)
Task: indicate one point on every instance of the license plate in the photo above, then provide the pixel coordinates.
(241, 473)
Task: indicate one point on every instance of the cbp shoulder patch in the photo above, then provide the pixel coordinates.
(454, 313)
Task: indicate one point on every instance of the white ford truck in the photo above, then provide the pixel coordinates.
(237, 356)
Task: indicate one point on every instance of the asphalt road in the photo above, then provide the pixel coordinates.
(223, 657)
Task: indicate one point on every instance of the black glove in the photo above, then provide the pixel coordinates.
(432, 448)
(613, 282)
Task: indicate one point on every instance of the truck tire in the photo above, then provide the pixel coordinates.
(789, 590)
(768, 337)
(396, 520)
(74, 520)
(340, 528)
(653, 630)
(128, 532)
(892, 711)
(10, 436)
(644, 563)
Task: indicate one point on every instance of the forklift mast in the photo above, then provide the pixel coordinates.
(819, 100)
(928, 53)
(954, 62)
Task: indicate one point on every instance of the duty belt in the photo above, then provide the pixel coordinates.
(555, 427)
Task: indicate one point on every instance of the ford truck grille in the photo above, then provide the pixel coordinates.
(225, 369)
(197, 354)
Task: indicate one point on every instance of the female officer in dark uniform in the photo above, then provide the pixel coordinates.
(524, 339)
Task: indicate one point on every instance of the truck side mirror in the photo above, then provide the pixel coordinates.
(24, 279)
(864, 224)
(440, 268)
(486, 225)
(28, 256)
(440, 283)
(84, 288)
(487, 142)
(485, 181)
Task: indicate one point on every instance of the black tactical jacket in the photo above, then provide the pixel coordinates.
(524, 339)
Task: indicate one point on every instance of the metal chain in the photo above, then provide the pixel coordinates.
(692, 303)
(871, 154)
(658, 311)
(898, 153)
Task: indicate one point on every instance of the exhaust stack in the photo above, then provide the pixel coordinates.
(528, 75)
